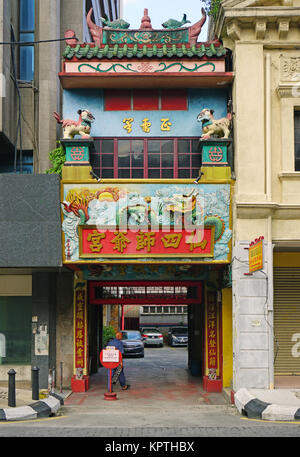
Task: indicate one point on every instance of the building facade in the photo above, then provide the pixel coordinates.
(149, 212)
(146, 206)
(264, 38)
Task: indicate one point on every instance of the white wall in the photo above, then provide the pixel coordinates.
(252, 305)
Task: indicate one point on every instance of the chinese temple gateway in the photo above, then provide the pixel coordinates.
(147, 185)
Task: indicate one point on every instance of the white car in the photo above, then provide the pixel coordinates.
(152, 336)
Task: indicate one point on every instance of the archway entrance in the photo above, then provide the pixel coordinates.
(203, 352)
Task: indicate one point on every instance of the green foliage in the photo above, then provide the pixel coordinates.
(108, 333)
(57, 157)
(212, 7)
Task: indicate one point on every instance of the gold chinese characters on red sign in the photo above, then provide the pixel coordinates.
(212, 364)
(95, 242)
(80, 328)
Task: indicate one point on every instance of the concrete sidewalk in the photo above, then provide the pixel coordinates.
(28, 409)
(160, 381)
(273, 405)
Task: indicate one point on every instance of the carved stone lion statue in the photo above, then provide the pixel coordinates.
(80, 127)
(219, 128)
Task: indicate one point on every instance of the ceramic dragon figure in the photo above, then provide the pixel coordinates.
(174, 24)
(117, 24)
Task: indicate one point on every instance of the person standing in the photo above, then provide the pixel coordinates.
(118, 344)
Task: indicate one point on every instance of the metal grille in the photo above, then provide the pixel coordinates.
(287, 320)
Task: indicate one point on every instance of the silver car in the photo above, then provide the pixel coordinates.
(132, 343)
(152, 336)
(178, 336)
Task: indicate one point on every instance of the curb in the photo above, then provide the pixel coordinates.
(42, 408)
(254, 408)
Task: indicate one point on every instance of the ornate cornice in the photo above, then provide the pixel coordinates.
(248, 210)
(288, 90)
(232, 18)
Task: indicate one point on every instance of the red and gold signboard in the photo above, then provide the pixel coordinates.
(212, 380)
(212, 335)
(101, 242)
(79, 381)
(256, 261)
(80, 330)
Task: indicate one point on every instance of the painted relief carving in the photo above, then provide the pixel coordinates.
(107, 272)
(80, 127)
(219, 128)
(69, 227)
(150, 205)
(189, 68)
(136, 67)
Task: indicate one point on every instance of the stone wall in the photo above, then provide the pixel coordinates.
(252, 305)
(30, 223)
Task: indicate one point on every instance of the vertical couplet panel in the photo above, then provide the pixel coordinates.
(212, 380)
(79, 381)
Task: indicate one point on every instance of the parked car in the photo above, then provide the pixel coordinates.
(133, 343)
(152, 336)
(178, 336)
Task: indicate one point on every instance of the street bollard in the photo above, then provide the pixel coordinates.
(35, 383)
(11, 388)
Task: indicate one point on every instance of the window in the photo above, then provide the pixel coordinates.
(145, 100)
(117, 100)
(174, 99)
(151, 158)
(131, 159)
(24, 165)
(172, 309)
(297, 139)
(27, 21)
(15, 330)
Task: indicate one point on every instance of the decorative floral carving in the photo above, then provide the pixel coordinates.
(290, 68)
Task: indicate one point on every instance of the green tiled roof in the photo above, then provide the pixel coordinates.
(161, 51)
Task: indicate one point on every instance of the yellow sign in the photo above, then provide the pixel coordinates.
(256, 261)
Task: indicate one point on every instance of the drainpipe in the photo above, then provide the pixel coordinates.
(268, 130)
(269, 305)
